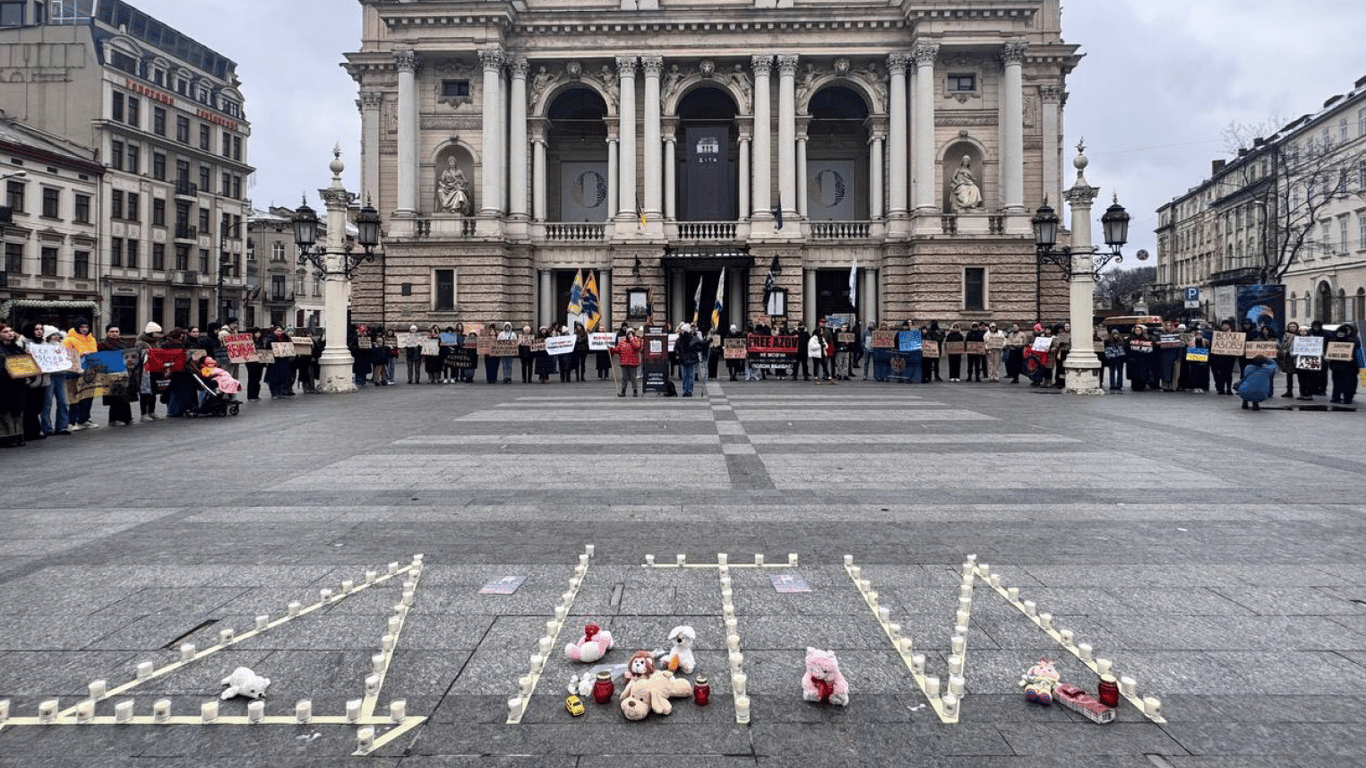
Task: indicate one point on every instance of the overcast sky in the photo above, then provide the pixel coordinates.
(1160, 81)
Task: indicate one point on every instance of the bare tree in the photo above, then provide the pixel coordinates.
(1118, 287)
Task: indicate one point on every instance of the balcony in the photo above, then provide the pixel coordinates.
(278, 298)
(186, 188)
(707, 230)
(841, 230)
(575, 232)
(186, 232)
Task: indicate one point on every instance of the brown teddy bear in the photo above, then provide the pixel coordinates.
(648, 689)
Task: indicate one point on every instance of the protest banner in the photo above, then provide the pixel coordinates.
(599, 341)
(1197, 355)
(1042, 344)
(930, 348)
(462, 358)
(431, 347)
(976, 347)
(955, 347)
(241, 348)
(995, 341)
(735, 349)
(1266, 349)
(844, 338)
(559, 345)
(884, 339)
(503, 348)
(51, 358)
(1339, 350)
(303, 345)
(165, 360)
(910, 341)
(98, 373)
(282, 348)
(1307, 346)
(771, 353)
(1228, 343)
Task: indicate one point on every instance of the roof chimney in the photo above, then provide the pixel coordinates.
(1217, 166)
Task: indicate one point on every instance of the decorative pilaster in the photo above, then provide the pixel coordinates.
(877, 134)
(492, 61)
(787, 134)
(370, 103)
(518, 148)
(652, 65)
(761, 178)
(896, 135)
(406, 64)
(537, 129)
(1052, 98)
(626, 160)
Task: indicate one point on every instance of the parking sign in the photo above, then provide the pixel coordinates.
(1192, 298)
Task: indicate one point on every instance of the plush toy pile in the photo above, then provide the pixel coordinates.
(593, 645)
(1039, 682)
(649, 689)
(823, 681)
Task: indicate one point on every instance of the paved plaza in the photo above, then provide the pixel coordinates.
(1213, 555)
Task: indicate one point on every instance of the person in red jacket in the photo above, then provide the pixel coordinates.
(628, 350)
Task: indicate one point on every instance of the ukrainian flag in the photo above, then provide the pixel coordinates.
(576, 294)
(592, 312)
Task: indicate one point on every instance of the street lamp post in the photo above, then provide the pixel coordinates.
(336, 262)
(1081, 264)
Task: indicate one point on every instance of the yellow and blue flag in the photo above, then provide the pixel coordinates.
(592, 311)
(576, 294)
(718, 305)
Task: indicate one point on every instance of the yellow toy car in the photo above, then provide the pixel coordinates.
(574, 705)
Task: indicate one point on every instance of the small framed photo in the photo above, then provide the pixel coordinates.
(637, 304)
(777, 303)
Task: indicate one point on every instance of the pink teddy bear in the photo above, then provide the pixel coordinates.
(594, 644)
(823, 681)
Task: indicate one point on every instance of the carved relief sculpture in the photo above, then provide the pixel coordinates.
(453, 190)
(966, 194)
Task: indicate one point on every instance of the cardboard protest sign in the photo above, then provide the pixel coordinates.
(431, 347)
(735, 349)
(884, 339)
(930, 348)
(844, 338)
(1228, 343)
(303, 345)
(363, 342)
(599, 341)
(955, 347)
(1307, 346)
(1339, 350)
(1265, 348)
(484, 344)
(265, 357)
(559, 345)
(503, 348)
(996, 341)
(241, 348)
(51, 358)
(1043, 343)
(976, 347)
(21, 366)
(537, 345)
(165, 360)
(282, 348)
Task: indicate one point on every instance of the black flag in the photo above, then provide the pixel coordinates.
(771, 280)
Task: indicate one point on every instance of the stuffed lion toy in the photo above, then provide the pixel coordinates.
(649, 689)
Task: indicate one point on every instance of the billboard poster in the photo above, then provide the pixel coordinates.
(772, 353)
(1263, 305)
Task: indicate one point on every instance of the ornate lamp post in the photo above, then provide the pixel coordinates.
(336, 262)
(1081, 265)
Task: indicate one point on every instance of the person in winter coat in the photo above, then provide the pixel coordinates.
(150, 338)
(955, 336)
(815, 353)
(1140, 359)
(120, 412)
(1285, 361)
(431, 364)
(1344, 372)
(80, 340)
(688, 348)
(505, 362)
(977, 362)
(1114, 359)
(1258, 381)
(628, 352)
(524, 354)
(13, 392)
(1221, 366)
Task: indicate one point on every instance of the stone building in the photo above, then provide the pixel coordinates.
(1289, 209)
(655, 142)
(165, 117)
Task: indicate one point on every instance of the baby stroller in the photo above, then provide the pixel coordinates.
(214, 402)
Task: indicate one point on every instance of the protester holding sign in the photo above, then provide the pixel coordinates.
(1320, 378)
(79, 339)
(1285, 359)
(1141, 359)
(1115, 353)
(1344, 344)
(509, 339)
(1307, 364)
(1225, 351)
(13, 386)
(120, 412)
(628, 351)
(1195, 367)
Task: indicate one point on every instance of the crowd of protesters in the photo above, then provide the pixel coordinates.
(1171, 357)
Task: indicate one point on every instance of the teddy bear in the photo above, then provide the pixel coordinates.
(679, 657)
(594, 644)
(244, 682)
(1039, 682)
(648, 690)
(823, 681)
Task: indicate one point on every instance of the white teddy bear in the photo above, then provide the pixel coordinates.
(244, 682)
(679, 657)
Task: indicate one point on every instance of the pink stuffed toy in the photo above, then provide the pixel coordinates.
(594, 644)
(1040, 681)
(823, 681)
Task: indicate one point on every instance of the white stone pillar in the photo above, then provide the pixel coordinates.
(406, 63)
(872, 304)
(613, 176)
(334, 365)
(1083, 367)
(605, 299)
(896, 136)
(547, 297)
(1052, 98)
(518, 149)
(744, 176)
(736, 300)
(369, 102)
(787, 134)
(1012, 139)
(809, 298)
(923, 143)
(490, 187)
(801, 170)
(626, 155)
(654, 147)
(875, 176)
(762, 175)
(538, 170)
(671, 174)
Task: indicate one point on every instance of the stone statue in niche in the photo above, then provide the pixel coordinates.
(967, 195)
(453, 190)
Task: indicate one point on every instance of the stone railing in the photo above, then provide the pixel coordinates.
(840, 230)
(575, 231)
(706, 230)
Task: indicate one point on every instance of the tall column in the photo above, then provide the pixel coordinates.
(875, 210)
(671, 172)
(491, 187)
(809, 297)
(605, 299)
(744, 175)
(1083, 370)
(654, 205)
(538, 169)
(801, 168)
(1053, 98)
(370, 102)
(518, 205)
(626, 159)
(787, 133)
(613, 173)
(872, 302)
(762, 175)
(546, 299)
(406, 63)
(923, 143)
(334, 365)
(1012, 138)
(896, 136)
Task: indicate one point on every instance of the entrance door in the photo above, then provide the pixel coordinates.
(708, 280)
(708, 192)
